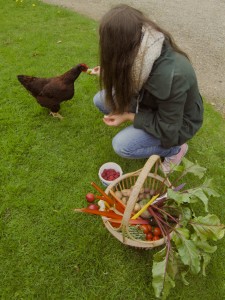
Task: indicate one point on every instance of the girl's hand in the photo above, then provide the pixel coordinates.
(116, 120)
(95, 71)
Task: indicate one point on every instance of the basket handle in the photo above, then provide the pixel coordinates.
(153, 159)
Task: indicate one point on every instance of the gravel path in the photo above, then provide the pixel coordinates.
(197, 26)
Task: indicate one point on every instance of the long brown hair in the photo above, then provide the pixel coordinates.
(120, 37)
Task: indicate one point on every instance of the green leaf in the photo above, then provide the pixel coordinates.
(178, 168)
(195, 169)
(206, 259)
(168, 284)
(186, 215)
(158, 273)
(183, 275)
(187, 250)
(192, 195)
(207, 188)
(178, 197)
(202, 193)
(205, 246)
(198, 193)
(163, 275)
(160, 255)
(208, 227)
(183, 232)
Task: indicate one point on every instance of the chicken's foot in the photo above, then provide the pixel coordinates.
(56, 115)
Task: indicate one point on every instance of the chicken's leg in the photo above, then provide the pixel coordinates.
(56, 115)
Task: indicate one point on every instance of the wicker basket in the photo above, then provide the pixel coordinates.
(146, 177)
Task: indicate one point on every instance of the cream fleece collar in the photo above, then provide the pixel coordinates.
(149, 50)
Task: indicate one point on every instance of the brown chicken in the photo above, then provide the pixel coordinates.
(50, 92)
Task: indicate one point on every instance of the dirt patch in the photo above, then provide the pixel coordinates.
(197, 26)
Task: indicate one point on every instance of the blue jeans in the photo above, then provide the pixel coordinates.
(131, 142)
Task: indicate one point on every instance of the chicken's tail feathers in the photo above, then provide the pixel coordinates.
(28, 82)
(20, 78)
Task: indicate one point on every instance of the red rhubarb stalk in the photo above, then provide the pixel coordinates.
(109, 214)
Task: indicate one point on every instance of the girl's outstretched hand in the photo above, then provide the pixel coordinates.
(94, 71)
(116, 120)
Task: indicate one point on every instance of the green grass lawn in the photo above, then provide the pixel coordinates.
(46, 250)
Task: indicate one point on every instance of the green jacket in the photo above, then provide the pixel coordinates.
(171, 108)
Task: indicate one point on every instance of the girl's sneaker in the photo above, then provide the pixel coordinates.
(175, 160)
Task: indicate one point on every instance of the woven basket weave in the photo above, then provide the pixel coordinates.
(146, 177)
